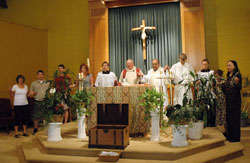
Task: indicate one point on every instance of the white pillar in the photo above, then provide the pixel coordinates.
(155, 133)
(54, 132)
(81, 124)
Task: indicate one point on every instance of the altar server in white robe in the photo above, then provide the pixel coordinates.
(205, 71)
(156, 77)
(181, 72)
(130, 75)
(105, 78)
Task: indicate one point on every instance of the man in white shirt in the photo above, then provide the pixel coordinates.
(130, 75)
(181, 72)
(105, 78)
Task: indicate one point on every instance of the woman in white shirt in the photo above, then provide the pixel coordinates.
(19, 96)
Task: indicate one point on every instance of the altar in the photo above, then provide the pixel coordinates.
(130, 95)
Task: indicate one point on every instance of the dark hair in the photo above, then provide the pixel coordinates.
(86, 67)
(236, 69)
(40, 71)
(20, 76)
(219, 72)
(105, 62)
(205, 60)
(61, 65)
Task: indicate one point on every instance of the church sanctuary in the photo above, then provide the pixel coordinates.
(126, 81)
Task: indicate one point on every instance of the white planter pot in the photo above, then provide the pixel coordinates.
(81, 126)
(54, 132)
(195, 131)
(155, 133)
(179, 136)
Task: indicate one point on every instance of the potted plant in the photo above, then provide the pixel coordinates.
(153, 104)
(202, 103)
(57, 100)
(179, 118)
(246, 105)
(80, 105)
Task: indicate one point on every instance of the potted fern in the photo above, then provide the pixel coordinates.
(153, 104)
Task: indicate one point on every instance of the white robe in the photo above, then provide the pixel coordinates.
(205, 74)
(105, 80)
(152, 78)
(181, 73)
(131, 77)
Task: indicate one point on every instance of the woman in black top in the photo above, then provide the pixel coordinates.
(232, 89)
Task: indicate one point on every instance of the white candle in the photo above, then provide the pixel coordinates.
(88, 63)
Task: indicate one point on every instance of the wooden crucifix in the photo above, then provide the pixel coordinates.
(143, 29)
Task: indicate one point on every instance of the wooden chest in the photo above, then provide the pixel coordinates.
(112, 130)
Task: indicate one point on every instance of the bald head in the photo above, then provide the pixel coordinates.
(130, 64)
(156, 64)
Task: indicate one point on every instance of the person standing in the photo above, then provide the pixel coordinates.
(156, 77)
(130, 75)
(205, 72)
(38, 90)
(19, 94)
(105, 78)
(220, 99)
(181, 72)
(232, 88)
(88, 80)
(63, 85)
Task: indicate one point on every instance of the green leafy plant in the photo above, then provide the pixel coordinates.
(179, 115)
(82, 99)
(57, 95)
(152, 101)
(203, 98)
(244, 115)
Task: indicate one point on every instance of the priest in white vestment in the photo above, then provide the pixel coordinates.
(130, 75)
(105, 78)
(156, 77)
(181, 72)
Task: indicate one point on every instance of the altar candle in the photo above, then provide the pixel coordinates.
(88, 63)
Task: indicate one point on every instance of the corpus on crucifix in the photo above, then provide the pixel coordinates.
(143, 29)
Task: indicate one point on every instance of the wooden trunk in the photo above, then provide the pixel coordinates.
(112, 130)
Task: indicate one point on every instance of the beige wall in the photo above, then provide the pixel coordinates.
(227, 33)
(67, 25)
(23, 50)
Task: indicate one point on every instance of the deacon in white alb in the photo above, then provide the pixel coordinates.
(157, 77)
(105, 78)
(130, 75)
(181, 72)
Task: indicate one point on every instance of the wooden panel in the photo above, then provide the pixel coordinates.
(125, 3)
(193, 37)
(98, 36)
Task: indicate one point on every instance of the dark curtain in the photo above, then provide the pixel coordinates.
(164, 43)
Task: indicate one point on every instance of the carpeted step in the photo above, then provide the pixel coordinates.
(220, 154)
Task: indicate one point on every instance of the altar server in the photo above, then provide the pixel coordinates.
(205, 72)
(130, 75)
(105, 78)
(181, 72)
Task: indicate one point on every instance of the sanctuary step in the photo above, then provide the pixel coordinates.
(212, 148)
